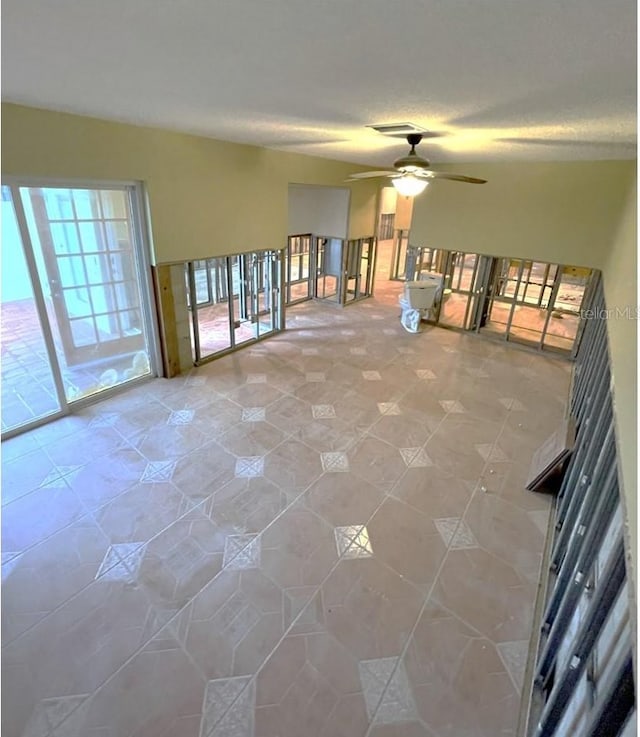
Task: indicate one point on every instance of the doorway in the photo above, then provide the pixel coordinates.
(344, 269)
(76, 305)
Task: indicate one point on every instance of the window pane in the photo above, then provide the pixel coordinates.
(114, 204)
(65, 238)
(97, 269)
(103, 298)
(92, 237)
(83, 332)
(86, 204)
(57, 203)
(71, 271)
(126, 295)
(108, 327)
(117, 234)
(121, 266)
(131, 322)
(77, 302)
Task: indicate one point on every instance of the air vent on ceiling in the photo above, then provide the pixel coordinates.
(397, 129)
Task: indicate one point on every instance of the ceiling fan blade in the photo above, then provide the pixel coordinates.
(370, 174)
(428, 174)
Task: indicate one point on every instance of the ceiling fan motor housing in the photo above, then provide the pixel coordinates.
(413, 168)
(412, 162)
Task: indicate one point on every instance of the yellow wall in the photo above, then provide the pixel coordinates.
(561, 212)
(206, 197)
(621, 291)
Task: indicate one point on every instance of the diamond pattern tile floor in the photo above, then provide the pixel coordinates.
(249, 466)
(456, 533)
(253, 414)
(323, 411)
(334, 462)
(353, 541)
(415, 457)
(241, 551)
(158, 471)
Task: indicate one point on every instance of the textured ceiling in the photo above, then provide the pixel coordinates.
(497, 79)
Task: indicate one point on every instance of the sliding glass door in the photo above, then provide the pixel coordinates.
(84, 264)
(298, 273)
(29, 391)
(533, 303)
(242, 303)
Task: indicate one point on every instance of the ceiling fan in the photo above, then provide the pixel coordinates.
(412, 173)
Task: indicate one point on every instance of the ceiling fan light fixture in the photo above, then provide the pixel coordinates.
(409, 185)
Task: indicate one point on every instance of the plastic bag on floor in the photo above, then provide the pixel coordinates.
(410, 320)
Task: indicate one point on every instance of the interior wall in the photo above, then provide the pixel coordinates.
(318, 210)
(388, 198)
(561, 212)
(206, 197)
(621, 295)
(363, 202)
(404, 213)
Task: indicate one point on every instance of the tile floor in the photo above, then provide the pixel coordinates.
(322, 535)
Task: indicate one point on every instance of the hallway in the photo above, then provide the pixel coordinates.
(324, 534)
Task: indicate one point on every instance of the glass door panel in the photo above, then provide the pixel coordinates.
(329, 256)
(458, 270)
(531, 295)
(90, 274)
(252, 311)
(527, 324)
(242, 301)
(29, 391)
(277, 292)
(211, 324)
(564, 311)
(481, 287)
(539, 283)
(466, 270)
(259, 293)
(368, 267)
(202, 283)
(351, 276)
(298, 268)
(266, 281)
(498, 299)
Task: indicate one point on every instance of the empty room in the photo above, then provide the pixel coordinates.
(319, 369)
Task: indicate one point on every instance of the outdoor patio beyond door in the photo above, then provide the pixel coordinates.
(74, 267)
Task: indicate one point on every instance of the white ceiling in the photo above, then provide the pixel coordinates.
(309, 75)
